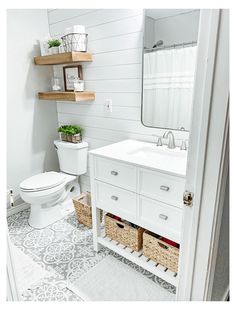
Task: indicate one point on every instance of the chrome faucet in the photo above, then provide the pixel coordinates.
(171, 143)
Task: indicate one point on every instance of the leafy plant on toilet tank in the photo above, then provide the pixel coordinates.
(71, 133)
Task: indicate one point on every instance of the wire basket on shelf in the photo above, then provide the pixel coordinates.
(75, 42)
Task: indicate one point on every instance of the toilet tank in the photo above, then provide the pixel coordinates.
(72, 156)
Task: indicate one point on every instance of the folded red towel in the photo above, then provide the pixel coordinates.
(170, 242)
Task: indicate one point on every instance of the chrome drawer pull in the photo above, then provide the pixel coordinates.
(163, 216)
(114, 198)
(114, 172)
(164, 188)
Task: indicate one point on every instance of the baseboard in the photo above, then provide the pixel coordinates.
(18, 208)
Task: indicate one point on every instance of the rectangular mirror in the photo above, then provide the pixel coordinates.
(169, 57)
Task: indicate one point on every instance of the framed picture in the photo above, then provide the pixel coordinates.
(72, 74)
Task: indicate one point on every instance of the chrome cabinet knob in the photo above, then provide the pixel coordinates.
(163, 217)
(114, 172)
(114, 198)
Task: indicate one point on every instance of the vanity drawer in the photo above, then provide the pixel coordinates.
(160, 218)
(162, 187)
(115, 173)
(115, 200)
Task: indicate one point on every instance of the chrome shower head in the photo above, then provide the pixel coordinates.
(158, 43)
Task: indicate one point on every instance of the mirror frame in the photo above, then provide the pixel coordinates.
(142, 104)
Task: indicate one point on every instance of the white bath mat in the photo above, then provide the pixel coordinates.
(27, 272)
(112, 280)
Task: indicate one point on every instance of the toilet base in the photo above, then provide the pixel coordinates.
(51, 205)
(42, 215)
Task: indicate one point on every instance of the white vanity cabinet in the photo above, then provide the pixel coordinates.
(148, 197)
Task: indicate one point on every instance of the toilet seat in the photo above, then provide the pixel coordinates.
(42, 181)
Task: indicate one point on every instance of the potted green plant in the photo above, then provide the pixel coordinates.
(71, 133)
(53, 46)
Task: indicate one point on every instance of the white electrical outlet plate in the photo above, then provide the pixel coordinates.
(108, 105)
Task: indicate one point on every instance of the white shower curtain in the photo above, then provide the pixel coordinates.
(168, 87)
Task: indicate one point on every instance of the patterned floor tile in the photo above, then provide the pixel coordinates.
(66, 249)
(49, 289)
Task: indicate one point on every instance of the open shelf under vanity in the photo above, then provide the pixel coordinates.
(139, 259)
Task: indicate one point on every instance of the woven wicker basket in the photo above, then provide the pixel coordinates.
(83, 209)
(71, 138)
(123, 233)
(160, 251)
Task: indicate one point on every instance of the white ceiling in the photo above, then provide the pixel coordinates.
(162, 13)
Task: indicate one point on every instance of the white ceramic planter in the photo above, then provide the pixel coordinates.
(54, 50)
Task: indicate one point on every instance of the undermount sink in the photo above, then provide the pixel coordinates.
(147, 155)
(157, 153)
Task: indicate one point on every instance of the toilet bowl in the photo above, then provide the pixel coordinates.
(46, 192)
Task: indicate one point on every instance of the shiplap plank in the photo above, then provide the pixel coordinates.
(118, 99)
(114, 124)
(95, 19)
(118, 58)
(116, 43)
(116, 28)
(125, 57)
(96, 143)
(130, 71)
(122, 85)
(132, 113)
(59, 15)
(111, 79)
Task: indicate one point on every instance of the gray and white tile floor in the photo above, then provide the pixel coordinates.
(64, 248)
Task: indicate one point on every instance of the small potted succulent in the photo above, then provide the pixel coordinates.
(71, 133)
(53, 46)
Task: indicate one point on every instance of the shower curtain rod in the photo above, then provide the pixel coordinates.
(149, 50)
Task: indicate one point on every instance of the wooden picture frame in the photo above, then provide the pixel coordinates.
(70, 74)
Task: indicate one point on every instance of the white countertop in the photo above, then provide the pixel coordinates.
(147, 155)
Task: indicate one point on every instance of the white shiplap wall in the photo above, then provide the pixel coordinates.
(115, 40)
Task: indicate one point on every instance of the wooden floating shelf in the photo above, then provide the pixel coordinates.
(63, 58)
(67, 96)
(139, 259)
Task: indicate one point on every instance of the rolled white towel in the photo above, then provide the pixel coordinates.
(78, 29)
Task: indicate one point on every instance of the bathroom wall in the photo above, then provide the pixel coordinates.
(149, 32)
(31, 124)
(177, 29)
(115, 40)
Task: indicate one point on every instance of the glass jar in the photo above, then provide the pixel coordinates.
(56, 84)
(79, 85)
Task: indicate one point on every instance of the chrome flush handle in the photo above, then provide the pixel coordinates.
(164, 188)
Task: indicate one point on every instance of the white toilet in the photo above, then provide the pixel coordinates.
(47, 192)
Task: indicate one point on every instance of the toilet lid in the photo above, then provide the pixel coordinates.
(43, 181)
